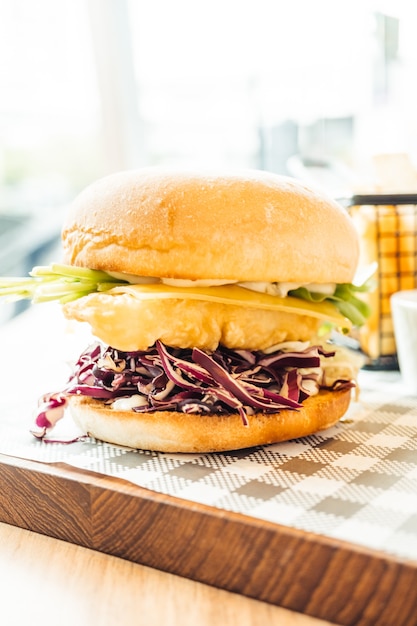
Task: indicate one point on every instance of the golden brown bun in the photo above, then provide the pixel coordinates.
(243, 226)
(170, 431)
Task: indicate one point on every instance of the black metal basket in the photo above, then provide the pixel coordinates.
(395, 221)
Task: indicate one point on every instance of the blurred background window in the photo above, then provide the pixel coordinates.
(310, 88)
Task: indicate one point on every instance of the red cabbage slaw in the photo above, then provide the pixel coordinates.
(191, 381)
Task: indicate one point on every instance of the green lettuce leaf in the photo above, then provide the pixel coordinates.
(344, 299)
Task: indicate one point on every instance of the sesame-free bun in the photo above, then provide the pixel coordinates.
(172, 431)
(243, 226)
(247, 226)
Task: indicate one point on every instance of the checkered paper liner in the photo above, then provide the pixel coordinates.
(356, 481)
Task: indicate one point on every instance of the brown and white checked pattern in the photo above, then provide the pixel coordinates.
(356, 481)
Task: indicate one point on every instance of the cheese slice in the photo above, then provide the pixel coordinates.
(237, 296)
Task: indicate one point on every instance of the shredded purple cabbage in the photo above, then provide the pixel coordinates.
(192, 381)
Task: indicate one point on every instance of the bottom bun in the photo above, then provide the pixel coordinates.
(171, 431)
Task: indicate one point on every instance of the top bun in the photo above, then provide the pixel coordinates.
(239, 226)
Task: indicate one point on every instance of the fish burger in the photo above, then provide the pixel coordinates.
(209, 294)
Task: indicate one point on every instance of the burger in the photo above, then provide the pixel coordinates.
(211, 298)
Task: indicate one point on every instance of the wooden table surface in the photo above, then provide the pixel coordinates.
(49, 582)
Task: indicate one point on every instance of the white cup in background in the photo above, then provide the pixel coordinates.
(404, 316)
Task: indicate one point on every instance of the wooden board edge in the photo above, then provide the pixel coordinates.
(312, 574)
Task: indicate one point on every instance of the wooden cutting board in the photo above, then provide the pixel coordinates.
(305, 572)
(341, 581)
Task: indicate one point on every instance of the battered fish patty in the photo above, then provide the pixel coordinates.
(129, 324)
